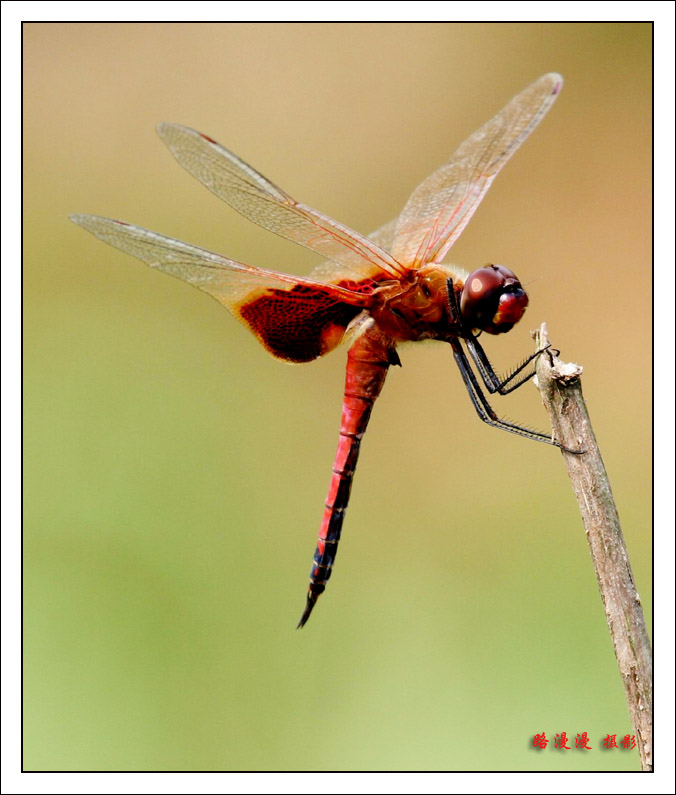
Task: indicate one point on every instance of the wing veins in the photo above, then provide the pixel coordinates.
(441, 206)
(258, 199)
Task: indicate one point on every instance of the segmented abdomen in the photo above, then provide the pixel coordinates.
(367, 362)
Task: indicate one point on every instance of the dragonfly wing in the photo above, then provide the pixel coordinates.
(329, 271)
(440, 207)
(258, 199)
(384, 235)
(296, 319)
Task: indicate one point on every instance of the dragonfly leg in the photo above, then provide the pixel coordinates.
(493, 382)
(484, 409)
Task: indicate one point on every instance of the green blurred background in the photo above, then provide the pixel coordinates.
(175, 473)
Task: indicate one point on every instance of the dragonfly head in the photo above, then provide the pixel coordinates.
(492, 300)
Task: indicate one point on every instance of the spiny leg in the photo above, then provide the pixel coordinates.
(492, 381)
(484, 409)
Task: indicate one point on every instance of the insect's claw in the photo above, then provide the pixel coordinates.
(570, 450)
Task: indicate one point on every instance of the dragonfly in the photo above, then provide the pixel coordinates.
(375, 292)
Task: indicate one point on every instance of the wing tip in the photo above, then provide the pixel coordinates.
(85, 220)
(173, 135)
(89, 221)
(556, 81)
(163, 127)
(167, 130)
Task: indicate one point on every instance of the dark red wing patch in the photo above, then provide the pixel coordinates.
(300, 324)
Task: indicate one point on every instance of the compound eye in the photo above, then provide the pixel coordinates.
(492, 299)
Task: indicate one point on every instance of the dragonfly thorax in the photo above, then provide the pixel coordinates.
(418, 308)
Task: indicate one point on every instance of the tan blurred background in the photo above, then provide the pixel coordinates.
(175, 473)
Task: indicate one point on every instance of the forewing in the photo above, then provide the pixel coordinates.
(441, 206)
(258, 199)
(329, 271)
(296, 319)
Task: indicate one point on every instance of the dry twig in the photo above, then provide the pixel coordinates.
(561, 391)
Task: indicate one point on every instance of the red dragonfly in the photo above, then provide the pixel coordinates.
(377, 291)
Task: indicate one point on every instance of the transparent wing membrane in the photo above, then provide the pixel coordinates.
(255, 197)
(295, 319)
(440, 207)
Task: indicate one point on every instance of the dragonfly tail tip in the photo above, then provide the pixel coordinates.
(309, 605)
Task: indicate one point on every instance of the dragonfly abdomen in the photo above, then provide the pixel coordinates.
(367, 363)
